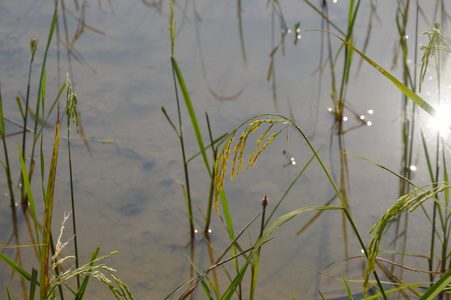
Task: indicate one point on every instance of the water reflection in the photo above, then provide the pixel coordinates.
(291, 160)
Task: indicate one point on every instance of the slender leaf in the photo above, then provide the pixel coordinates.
(47, 226)
(8, 293)
(408, 92)
(15, 267)
(348, 291)
(191, 112)
(438, 287)
(30, 198)
(33, 283)
(82, 290)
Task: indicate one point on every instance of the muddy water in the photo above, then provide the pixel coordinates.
(128, 196)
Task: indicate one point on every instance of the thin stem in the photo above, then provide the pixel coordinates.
(33, 45)
(212, 180)
(73, 205)
(254, 268)
(5, 150)
(185, 164)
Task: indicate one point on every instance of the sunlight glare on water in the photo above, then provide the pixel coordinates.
(442, 123)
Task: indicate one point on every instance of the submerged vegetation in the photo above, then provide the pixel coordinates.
(233, 269)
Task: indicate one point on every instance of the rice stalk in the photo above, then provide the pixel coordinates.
(180, 130)
(438, 43)
(100, 272)
(289, 123)
(48, 211)
(254, 266)
(197, 279)
(33, 48)
(72, 116)
(407, 203)
(6, 164)
(40, 102)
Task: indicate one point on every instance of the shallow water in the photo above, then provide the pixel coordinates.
(128, 196)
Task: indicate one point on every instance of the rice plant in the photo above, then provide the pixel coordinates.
(227, 156)
(267, 127)
(53, 278)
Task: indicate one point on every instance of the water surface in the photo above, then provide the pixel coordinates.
(127, 193)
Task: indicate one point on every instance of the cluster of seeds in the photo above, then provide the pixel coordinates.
(406, 203)
(238, 150)
(71, 105)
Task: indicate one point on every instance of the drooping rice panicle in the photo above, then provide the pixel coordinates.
(246, 135)
(406, 203)
(259, 142)
(438, 41)
(221, 167)
(239, 146)
(269, 141)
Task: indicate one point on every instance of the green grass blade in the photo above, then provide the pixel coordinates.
(169, 120)
(82, 290)
(41, 89)
(2, 118)
(19, 106)
(235, 283)
(30, 198)
(206, 290)
(216, 141)
(408, 92)
(55, 102)
(7, 292)
(426, 155)
(445, 177)
(348, 291)
(44, 85)
(385, 168)
(229, 222)
(42, 80)
(33, 283)
(191, 112)
(47, 225)
(438, 287)
(326, 18)
(5, 150)
(15, 267)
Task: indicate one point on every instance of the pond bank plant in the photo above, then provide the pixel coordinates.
(54, 278)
